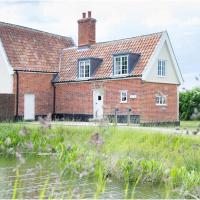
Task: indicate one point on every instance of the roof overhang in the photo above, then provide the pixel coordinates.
(35, 71)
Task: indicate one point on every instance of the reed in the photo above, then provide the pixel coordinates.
(134, 156)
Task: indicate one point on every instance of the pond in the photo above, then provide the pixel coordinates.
(40, 177)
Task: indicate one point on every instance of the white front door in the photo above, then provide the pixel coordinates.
(29, 107)
(98, 104)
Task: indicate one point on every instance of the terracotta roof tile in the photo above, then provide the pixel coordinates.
(31, 49)
(143, 45)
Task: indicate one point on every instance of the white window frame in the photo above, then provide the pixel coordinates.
(162, 100)
(121, 96)
(84, 65)
(161, 68)
(114, 67)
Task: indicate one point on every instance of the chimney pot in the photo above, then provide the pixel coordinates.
(89, 14)
(84, 15)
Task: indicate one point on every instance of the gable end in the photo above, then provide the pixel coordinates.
(174, 75)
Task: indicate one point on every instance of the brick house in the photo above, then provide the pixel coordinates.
(136, 77)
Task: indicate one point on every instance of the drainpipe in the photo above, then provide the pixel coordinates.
(54, 101)
(17, 96)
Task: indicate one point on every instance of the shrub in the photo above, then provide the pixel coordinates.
(190, 104)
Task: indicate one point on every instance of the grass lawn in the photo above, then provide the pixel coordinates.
(130, 155)
(189, 124)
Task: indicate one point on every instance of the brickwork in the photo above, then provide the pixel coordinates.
(74, 98)
(150, 112)
(86, 30)
(7, 107)
(38, 84)
(77, 98)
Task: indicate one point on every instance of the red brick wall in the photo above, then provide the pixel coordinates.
(7, 107)
(112, 96)
(38, 84)
(150, 112)
(77, 98)
(73, 98)
(86, 31)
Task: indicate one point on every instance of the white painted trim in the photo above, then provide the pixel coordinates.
(164, 38)
(3, 53)
(29, 106)
(96, 108)
(123, 91)
(84, 61)
(162, 76)
(120, 56)
(6, 72)
(161, 104)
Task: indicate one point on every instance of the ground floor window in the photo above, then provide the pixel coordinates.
(161, 100)
(123, 96)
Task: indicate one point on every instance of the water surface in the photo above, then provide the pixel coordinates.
(38, 176)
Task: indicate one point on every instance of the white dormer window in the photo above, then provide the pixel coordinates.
(161, 68)
(84, 69)
(161, 100)
(121, 65)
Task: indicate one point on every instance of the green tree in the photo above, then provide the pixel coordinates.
(190, 104)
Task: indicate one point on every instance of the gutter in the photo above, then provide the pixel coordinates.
(98, 79)
(34, 71)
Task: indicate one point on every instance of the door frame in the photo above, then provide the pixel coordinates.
(27, 118)
(97, 92)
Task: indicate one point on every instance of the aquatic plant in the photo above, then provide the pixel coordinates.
(14, 195)
(134, 156)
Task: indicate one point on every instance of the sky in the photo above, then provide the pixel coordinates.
(117, 19)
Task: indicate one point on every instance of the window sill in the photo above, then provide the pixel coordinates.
(161, 76)
(164, 105)
(120, 75)
(123, 102)
(87, 78)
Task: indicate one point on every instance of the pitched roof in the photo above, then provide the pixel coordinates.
(143, 45)
(30, 49)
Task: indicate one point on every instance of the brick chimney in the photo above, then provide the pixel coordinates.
(86, 30)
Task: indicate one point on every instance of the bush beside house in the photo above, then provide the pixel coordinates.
(190, 104)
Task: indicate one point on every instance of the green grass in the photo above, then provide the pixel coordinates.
(189, 124)
(130, 155)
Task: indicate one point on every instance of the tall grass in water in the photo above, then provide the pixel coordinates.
(134, 156)
(16, 182)
(43, 190)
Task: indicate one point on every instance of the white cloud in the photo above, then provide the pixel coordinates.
(190, 81)
(195, 21)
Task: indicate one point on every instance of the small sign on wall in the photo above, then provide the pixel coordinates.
(133, 96)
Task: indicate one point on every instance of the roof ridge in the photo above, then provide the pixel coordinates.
(118, 40)
(34, 30)
(129, 38)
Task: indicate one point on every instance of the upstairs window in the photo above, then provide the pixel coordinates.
(84, 69)
(121, 65)
(161, 68)
(161, 100)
